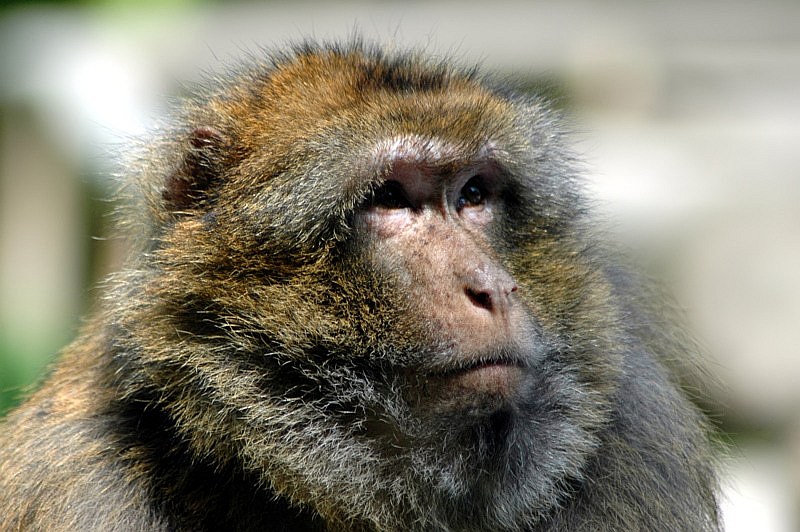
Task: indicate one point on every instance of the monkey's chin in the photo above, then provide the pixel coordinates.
(496, 380)
(479, 388)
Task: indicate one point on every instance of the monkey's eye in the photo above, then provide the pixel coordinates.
(390, 195)
(472, 194)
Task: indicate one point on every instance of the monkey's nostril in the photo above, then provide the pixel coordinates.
(480, 299)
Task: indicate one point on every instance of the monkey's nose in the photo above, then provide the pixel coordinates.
(480, 299)
(489, 288)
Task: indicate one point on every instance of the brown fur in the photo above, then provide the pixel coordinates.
(280, 352)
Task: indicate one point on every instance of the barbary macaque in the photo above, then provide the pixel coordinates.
(366, 293)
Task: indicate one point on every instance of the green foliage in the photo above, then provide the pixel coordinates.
(18, 373)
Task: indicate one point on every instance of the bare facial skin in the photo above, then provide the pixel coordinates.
(366, 293)
(431, 223)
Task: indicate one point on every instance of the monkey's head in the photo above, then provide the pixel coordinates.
(367, 279)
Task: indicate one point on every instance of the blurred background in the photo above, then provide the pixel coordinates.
(687, 113)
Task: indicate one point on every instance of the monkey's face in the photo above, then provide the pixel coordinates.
(379, 278)
(430, 226)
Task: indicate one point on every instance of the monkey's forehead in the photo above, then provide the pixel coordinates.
(428, 152)
(360, 94)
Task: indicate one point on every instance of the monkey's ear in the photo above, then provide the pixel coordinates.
(188, 184)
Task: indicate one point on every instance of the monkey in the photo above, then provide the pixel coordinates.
(366, 291)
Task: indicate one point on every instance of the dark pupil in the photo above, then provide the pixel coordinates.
(471, 194)
(390, 196)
